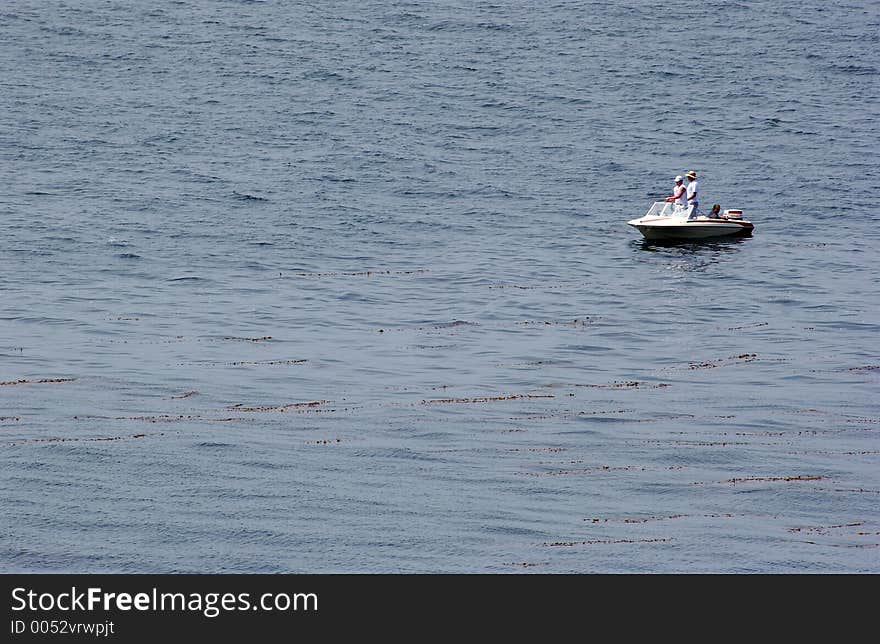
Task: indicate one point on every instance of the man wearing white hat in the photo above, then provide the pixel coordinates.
(678, 197)
(693, 192)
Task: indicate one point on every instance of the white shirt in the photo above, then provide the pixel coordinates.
(693, 193)
(678, 192)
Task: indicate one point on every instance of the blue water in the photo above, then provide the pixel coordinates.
(347, 287)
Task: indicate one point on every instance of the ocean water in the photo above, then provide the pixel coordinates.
(347, 287)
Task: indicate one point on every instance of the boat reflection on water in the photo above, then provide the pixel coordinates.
(689, 256)
(715, 244)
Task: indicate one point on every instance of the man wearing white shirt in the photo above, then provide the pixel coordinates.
(679, 197)
(693, 192)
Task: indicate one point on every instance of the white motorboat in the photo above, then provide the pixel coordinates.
(665, 220)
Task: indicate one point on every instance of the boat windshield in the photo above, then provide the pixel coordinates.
(668, 209)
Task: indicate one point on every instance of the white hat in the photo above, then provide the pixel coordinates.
(679, 178)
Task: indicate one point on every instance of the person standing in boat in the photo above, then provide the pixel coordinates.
(679, 193)
(693, 192)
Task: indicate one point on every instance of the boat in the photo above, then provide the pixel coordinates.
(669, 221)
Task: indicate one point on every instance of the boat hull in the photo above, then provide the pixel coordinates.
(670, 229)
